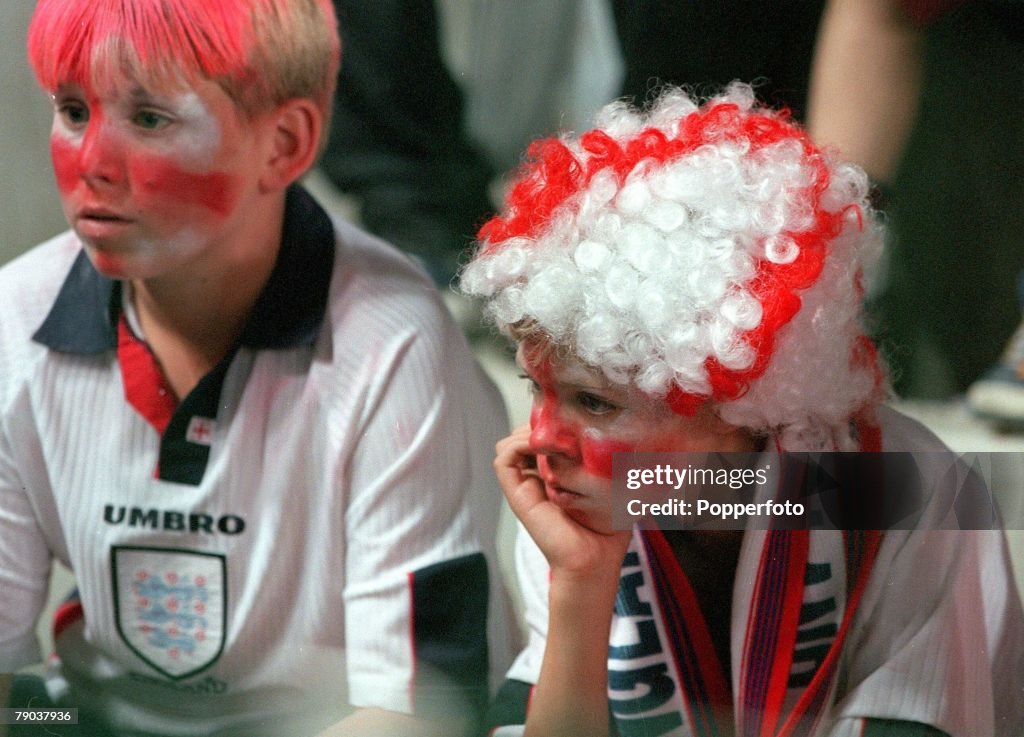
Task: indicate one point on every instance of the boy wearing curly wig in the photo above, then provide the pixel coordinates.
(252, 433)
(690, 279)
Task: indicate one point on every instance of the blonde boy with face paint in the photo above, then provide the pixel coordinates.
(252, 433)
(690, 278)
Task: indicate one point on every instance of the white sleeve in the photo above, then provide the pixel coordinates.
(937, 639)
(533, 572)
(507, 713)
(24, 566)
(1004, 619)
(421, 526)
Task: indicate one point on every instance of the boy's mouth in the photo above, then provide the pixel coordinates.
(101, 215)
(555, 491)
(560, 495)
(99, 224)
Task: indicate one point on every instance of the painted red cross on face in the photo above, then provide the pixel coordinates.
(152, 179)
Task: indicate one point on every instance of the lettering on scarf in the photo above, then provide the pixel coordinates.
(641, 689)
(817, 629)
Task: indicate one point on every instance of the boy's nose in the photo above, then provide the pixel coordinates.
(551, 435)
(102, 160)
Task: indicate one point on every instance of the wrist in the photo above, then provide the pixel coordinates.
(591, 591)
(597, 558)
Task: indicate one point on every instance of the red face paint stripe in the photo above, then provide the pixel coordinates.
(599, 453)
(66, 164)
(552, 431)
(161, 178)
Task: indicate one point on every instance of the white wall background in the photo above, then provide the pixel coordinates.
(29, 208)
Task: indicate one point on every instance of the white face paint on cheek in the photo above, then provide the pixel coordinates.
(185, 243)
(201, 133)
(179, 246)
(597, 451)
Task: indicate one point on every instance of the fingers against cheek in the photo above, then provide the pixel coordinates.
(512, 465)
(515, 451)
(515, 468)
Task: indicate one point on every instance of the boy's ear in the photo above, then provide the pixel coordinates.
(295, 137)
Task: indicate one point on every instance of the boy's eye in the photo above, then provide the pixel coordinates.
(534, 386)
(74, 112)
(594, 404)
(150, 120)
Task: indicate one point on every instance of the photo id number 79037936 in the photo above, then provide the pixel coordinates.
(46, 715)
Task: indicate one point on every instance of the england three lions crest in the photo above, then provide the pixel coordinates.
(170, 607)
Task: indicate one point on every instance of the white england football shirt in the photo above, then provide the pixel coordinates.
(311, 529)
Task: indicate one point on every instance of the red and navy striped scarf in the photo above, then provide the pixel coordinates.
(795, 595)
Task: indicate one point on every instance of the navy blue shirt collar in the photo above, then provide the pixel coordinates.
(288, 312)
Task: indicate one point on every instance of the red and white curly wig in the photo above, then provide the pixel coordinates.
(700, 253)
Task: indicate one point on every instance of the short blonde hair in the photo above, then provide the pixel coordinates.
(261, 52)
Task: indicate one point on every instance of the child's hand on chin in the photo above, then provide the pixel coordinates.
(572, 549)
